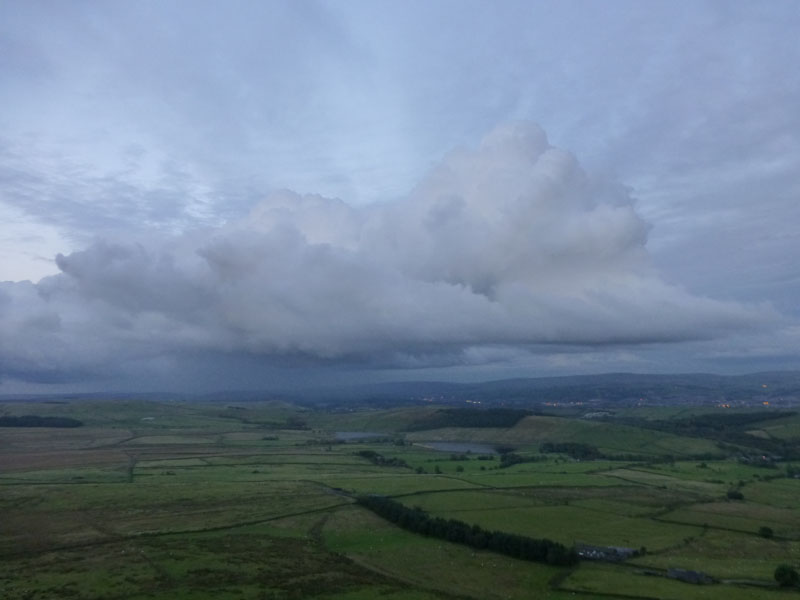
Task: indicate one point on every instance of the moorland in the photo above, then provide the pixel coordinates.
(256, 498)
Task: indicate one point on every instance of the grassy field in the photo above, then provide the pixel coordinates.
(179, 501)
(622, 582)
(609, 438)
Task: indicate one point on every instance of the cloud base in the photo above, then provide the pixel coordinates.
(507, 245)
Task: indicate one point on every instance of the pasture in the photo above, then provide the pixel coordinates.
(179, 500)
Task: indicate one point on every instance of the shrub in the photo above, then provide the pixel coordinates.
(786, 576)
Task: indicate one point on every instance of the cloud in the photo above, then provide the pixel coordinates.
(509, 244)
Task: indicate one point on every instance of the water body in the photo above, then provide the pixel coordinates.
(460, 447)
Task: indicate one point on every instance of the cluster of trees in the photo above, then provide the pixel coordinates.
(471, 417)
(458, 532)
(734, 494)
(509, 459)
(381, 460)
(786, 576)
(728, 429)
(573, 449)
(459, 457)
(37, 421)
(581, 451)
(722, 421)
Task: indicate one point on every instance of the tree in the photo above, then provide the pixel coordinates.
(735, 495)
(765, 532)
(459, 532)
(786, 576)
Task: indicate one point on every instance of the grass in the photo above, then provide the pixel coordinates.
(379, 421)
(785, 428)
(181, 501)
(626, 582)
(213, 565)
(434, 564)
(552, 518)
(728, 472)
(608, 437)
(782, 493)
(394, 484)
(740, 516)
(727, 555)
(665, 481)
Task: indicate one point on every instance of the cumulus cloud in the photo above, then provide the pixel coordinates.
(508, 244)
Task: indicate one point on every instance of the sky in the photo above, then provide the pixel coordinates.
(198, 195)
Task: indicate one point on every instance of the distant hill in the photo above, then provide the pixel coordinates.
(608, 387)
(38, 421)
(773, 387)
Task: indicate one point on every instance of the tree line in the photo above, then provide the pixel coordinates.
(576, 450)
(381, 460)
(471, 417)
(459, 532)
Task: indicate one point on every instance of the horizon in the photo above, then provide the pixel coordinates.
(313, 389)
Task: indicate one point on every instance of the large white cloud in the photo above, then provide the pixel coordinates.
(507, 244)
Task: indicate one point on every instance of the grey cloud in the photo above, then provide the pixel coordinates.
(67, 192)
(507, 245)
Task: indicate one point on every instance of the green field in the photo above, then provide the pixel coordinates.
(178, 500)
